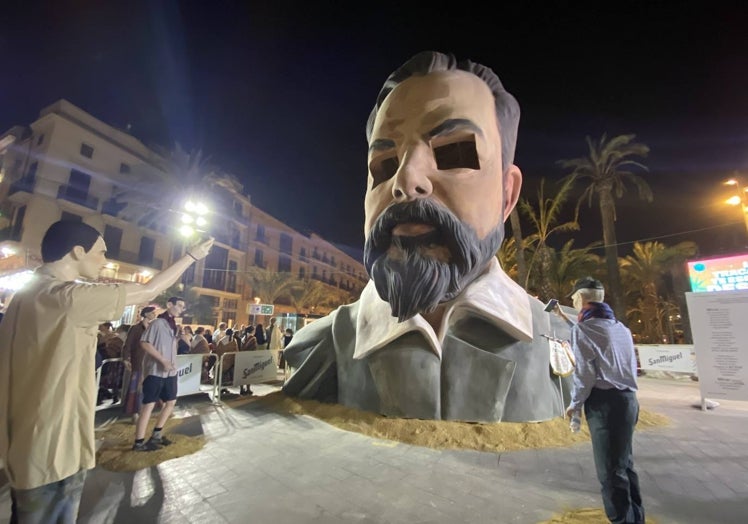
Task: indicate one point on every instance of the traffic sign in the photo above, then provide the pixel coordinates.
(261, 309)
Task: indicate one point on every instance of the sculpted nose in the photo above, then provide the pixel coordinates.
(412, 180)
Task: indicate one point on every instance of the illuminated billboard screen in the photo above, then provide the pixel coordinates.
(719, 274)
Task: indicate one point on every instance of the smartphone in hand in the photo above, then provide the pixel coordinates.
(551, 305)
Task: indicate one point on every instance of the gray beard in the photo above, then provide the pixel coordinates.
(414, 281)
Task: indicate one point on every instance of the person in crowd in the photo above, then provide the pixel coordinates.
(260, 335)
(440, 331)
(219, 333)
(227, 345)
(249, 341)
(132, 356)
(287, 336)
(159, 344)
(112, 373)
(274, 335)
(183, 342)
(605, 385)
(200, 346)
(208, 336)
(47, 442)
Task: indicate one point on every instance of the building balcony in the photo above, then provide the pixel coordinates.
(130, 257)
(24, 184)
(77, 196)
(112, 207)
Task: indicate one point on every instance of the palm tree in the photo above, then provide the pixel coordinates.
(271, 286)
(569, 264)
(519, 255)
(313, 294)
(199, 307)
(544, 220)
(607, 167)
(644, 272)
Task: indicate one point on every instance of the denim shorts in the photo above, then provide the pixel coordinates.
(159, 388)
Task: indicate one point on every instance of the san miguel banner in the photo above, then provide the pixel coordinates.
(667, 357)
(254, 367)
(188, 373)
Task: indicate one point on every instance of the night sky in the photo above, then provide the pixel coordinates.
(279, 95)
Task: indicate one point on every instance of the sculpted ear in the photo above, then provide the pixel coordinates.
(512, 185)
(77, 252)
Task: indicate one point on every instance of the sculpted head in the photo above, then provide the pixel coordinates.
(441, 180)
(76, 246)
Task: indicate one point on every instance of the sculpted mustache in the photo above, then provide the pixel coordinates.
(448, 228)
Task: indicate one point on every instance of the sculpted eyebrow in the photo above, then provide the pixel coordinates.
(453, 124)
(381, 144)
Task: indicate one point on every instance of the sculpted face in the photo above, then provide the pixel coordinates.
(177, 309)
(436, 199)
(90, 262)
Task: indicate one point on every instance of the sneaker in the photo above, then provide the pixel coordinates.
(148, 445)
(160, 441)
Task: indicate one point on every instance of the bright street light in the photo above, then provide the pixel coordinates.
(739, 199)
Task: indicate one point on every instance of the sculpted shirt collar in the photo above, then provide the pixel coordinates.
(493, 296)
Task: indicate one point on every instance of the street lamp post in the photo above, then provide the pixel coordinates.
(739, 199)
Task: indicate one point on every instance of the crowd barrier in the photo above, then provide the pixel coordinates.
(253, 367)
(194, 372)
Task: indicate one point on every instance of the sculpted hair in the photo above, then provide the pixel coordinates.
(425, 62)
(63, 236)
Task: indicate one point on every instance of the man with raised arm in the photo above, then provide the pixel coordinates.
(48, 338)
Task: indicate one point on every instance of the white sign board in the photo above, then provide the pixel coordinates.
(667, 357)
(189, 368)
(719, 323)
(254, 367)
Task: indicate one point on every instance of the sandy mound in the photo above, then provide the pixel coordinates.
(438, 434)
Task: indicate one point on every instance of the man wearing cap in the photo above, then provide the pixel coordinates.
(132, 354)
(605, 384)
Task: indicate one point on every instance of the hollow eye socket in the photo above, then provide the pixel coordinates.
(383, 168)
(456, 155)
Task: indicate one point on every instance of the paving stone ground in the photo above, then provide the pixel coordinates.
(263, 467)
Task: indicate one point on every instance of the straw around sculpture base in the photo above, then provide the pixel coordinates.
(116, 454)
(442, 434)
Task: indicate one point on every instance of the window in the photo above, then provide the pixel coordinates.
(18, 224)
(260, 233)
(229, 303)
(259, 262)
(31, 174)
(286, 244)
(70, 217)
(124, 168)
(40, 139)
(284, 264)
(214, 276)
(302, 273)
(302, 254)
(145, 254)
(87, 151)
(113, 240)
(231, 278)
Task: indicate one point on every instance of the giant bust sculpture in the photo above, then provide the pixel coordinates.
(440, 331)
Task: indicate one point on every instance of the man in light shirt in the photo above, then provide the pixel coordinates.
(47, 424)
(605, 385)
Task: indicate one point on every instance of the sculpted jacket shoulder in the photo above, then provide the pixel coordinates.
(488, 365)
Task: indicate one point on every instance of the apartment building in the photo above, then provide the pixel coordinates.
(69, 165)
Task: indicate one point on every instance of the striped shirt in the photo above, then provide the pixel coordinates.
(605, 358)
